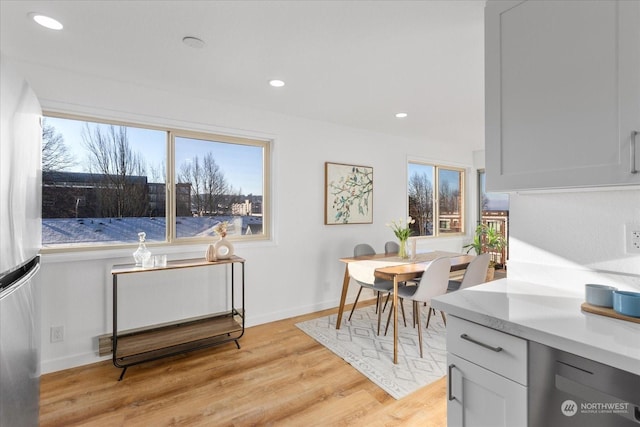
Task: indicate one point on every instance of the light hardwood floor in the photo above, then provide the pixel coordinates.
(279, 377)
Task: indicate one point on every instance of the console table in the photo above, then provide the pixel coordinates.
(154, 342)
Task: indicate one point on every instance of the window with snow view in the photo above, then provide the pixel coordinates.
(103, 183)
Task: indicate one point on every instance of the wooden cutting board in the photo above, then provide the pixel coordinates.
(609, 312)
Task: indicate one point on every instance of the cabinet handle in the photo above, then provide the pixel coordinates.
(450, 382)
(634, 133)
(468, 338)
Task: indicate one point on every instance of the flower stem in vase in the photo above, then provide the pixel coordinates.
(402, 252)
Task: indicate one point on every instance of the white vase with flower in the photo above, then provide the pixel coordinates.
(223, 248)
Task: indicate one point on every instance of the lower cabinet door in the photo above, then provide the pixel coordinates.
(479, 397)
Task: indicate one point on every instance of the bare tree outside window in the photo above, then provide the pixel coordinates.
(158, 172)
(191, 172)
(55, 154)
(118, 170)
(450, 183)
(421, 203)
(208, 184)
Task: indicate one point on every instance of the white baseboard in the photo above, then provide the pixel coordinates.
(68, 362)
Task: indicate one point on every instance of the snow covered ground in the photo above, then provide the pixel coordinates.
(125, 230)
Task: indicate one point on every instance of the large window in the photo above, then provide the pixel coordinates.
(436, 199)
(103, 183)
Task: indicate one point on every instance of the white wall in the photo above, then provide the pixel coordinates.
(297, 272)
(569, 238)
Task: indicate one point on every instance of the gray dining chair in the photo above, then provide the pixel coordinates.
(391, 248)
(433, 283)
(378, 286)
(475, 274)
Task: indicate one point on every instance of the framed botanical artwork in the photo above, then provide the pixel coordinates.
(348, 194)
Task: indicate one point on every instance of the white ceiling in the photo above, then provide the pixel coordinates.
(355, 63)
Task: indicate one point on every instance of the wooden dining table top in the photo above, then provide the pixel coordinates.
(411, 268)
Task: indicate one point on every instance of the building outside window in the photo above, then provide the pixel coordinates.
(103, 183)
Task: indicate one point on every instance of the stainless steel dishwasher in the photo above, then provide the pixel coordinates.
(566, 390)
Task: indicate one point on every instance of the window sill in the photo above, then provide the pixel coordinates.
(173, 251)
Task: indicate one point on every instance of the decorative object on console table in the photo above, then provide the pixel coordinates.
(210, 255)
(223, 248)
(402, 231)
(348, 194)
(142, 254)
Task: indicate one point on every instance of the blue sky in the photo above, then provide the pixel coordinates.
(241, 164)
(495, 201)
(450, 176)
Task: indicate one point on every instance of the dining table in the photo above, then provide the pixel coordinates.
(394, 268)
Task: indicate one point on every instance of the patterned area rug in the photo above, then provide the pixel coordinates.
(357, 343)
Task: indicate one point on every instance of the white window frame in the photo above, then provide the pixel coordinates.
(436, 197)
(172, 132)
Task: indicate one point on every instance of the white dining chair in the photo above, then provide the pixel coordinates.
(378, 286)
(433, 283)
(475, 274)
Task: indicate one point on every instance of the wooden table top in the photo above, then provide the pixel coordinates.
(172, 265)
(413, 267)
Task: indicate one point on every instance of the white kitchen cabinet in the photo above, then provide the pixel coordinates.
(487, 376)
(562, 89)
(479, 397)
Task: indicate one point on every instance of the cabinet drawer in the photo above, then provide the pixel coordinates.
(496, 351)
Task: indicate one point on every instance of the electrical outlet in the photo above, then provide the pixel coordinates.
(57, 333)
(632, 237)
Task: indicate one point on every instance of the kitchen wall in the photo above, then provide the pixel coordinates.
(296, 272)
(569, 238)
(566, 238)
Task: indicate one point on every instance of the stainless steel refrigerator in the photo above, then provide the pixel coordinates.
(20, 240)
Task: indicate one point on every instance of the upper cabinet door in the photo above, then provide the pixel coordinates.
(562, 94)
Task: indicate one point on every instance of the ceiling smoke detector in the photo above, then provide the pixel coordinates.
(193, 42)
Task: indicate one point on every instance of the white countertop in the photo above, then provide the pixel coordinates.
(550, 316)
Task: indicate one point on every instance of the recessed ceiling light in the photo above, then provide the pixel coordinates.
(276, 83)
(193, 42)
(401, 115)
(46, 21)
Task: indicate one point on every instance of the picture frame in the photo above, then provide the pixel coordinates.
(348, 194)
